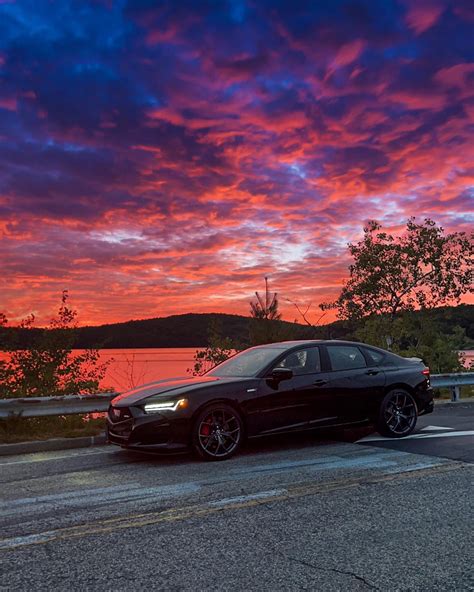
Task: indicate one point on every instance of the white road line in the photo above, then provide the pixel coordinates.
(28, 540)
(94, 497)
(445, 435)
(54, 497)
(369, 439)
(415, 467)
(249, 497)
(368, 460)
(431, 428)
(39, 458)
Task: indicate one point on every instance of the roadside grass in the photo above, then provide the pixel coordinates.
(25, 429)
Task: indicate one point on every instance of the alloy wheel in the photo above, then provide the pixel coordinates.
(219, 433)
(400, 413)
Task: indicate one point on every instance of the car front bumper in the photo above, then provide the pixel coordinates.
(149, 432)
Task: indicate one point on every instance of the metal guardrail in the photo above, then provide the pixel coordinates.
(453, 381)
(69, 404)
(65, 405)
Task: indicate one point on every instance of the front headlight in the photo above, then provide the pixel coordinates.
(165, 406)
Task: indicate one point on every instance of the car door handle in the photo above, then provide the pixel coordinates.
(372, 372)
(320, 382)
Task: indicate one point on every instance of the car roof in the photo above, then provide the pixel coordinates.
(288, 344)
(283, 345)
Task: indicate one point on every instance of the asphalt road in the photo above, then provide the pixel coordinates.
(293, 513)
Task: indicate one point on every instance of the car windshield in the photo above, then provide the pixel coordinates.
(248, 363)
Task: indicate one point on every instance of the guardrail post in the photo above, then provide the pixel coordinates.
(455, 393)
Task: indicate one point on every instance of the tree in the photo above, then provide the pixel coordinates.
(265, 307)
(49, 366)
(422, 268)
(416, 335)
(265, 326)
(304, 313)
(130, 373)
(394, 275)
(219, 348)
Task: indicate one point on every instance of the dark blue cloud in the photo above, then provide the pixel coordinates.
(227, 122)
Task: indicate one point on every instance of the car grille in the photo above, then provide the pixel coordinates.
(117, 414)
(120, 431)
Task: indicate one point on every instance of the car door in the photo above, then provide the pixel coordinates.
(287, 405)
(353, 381)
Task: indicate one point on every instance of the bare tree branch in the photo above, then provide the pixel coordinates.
(304, 315)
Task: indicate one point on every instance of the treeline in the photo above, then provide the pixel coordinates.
(186, 330)
(193, 330)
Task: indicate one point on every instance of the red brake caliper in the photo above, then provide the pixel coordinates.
(205, 430)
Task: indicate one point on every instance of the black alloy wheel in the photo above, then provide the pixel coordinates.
(398, 414)
(217, 432)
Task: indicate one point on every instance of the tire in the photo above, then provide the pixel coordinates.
(397, 415)
(217, 432)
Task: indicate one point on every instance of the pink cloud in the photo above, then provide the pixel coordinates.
(456, 76)
(348, 53)
(8, 103)
(423, 14)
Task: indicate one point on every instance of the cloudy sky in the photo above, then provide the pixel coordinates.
(163, 157)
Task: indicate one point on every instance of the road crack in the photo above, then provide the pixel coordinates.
(331, 569)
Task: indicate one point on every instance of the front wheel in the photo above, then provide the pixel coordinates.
(398, 414)
(217, 432)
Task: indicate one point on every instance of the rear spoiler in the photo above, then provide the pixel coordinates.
(417, 360)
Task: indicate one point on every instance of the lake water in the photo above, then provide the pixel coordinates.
(129, 368)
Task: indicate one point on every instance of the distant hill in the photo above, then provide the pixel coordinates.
(191, 330)
(186, 330)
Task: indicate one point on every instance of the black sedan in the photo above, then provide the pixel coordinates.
(271, 389)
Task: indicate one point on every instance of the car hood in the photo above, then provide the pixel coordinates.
(168, 386)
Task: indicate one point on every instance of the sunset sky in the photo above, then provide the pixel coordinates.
(158, 158)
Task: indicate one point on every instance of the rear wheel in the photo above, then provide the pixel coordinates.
(398, 414)
(217, 432)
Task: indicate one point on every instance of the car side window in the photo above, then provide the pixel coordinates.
(374, 356)
(345, 357)
(303, 361)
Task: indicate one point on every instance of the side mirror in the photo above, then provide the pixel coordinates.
(279, 374)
